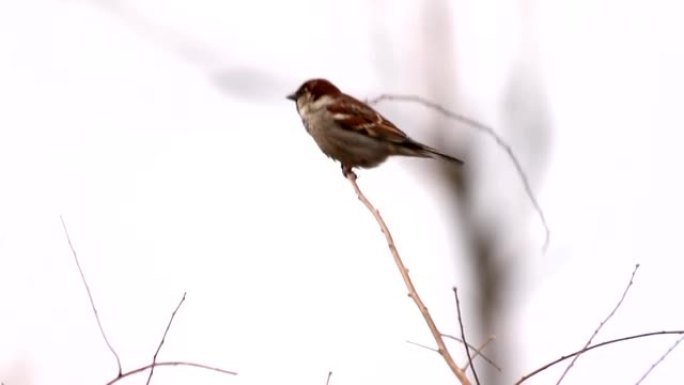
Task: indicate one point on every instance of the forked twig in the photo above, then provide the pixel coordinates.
(163, 339)
(487, 130)
(90, 297)
(463, 336)
(442, 349)
(592, 347)
(598, 329)
(661, 359)
(121, 375)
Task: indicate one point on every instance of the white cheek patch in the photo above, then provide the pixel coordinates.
(306, 109)
(321, 103)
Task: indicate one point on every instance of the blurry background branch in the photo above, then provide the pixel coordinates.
(486, 130)
(213, 61)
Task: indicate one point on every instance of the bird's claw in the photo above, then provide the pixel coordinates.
(348, 172)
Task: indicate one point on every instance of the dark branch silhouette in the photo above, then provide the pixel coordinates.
(463, 336)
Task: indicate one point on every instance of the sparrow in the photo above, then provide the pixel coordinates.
(350, 131)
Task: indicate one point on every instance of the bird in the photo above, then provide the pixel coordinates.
(352, 132)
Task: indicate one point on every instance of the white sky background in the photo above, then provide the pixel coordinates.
(171, 183)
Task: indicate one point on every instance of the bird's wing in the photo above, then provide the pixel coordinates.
(354, 115)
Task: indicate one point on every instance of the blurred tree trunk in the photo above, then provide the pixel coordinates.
(523, 113)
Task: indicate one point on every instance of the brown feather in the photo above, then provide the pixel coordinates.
(355, 115)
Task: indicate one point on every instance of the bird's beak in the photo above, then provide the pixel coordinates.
(292, 97)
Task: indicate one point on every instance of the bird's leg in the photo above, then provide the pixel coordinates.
(348, 172)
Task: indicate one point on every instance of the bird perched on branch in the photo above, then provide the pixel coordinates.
(350, 131)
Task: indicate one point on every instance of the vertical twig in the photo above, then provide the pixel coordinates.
(163, 339)
(90, 297)
(327, 382)
(442, 349)
(463, 336)
(598, 329)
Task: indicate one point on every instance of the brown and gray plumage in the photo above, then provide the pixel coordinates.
(352, 132)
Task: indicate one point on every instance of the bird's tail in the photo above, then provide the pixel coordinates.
(434, 153)
(412, 148)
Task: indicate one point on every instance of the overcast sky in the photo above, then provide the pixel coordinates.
(160, 132)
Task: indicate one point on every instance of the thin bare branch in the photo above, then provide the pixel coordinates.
(661, 359)
(422, 346)
(442, 349)
(463, 336)
(478, 352)
(598, 329)
(90, 297)
(487, 130)
(163, 339)
(327, 382)
(598, 345)
(171, 363)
